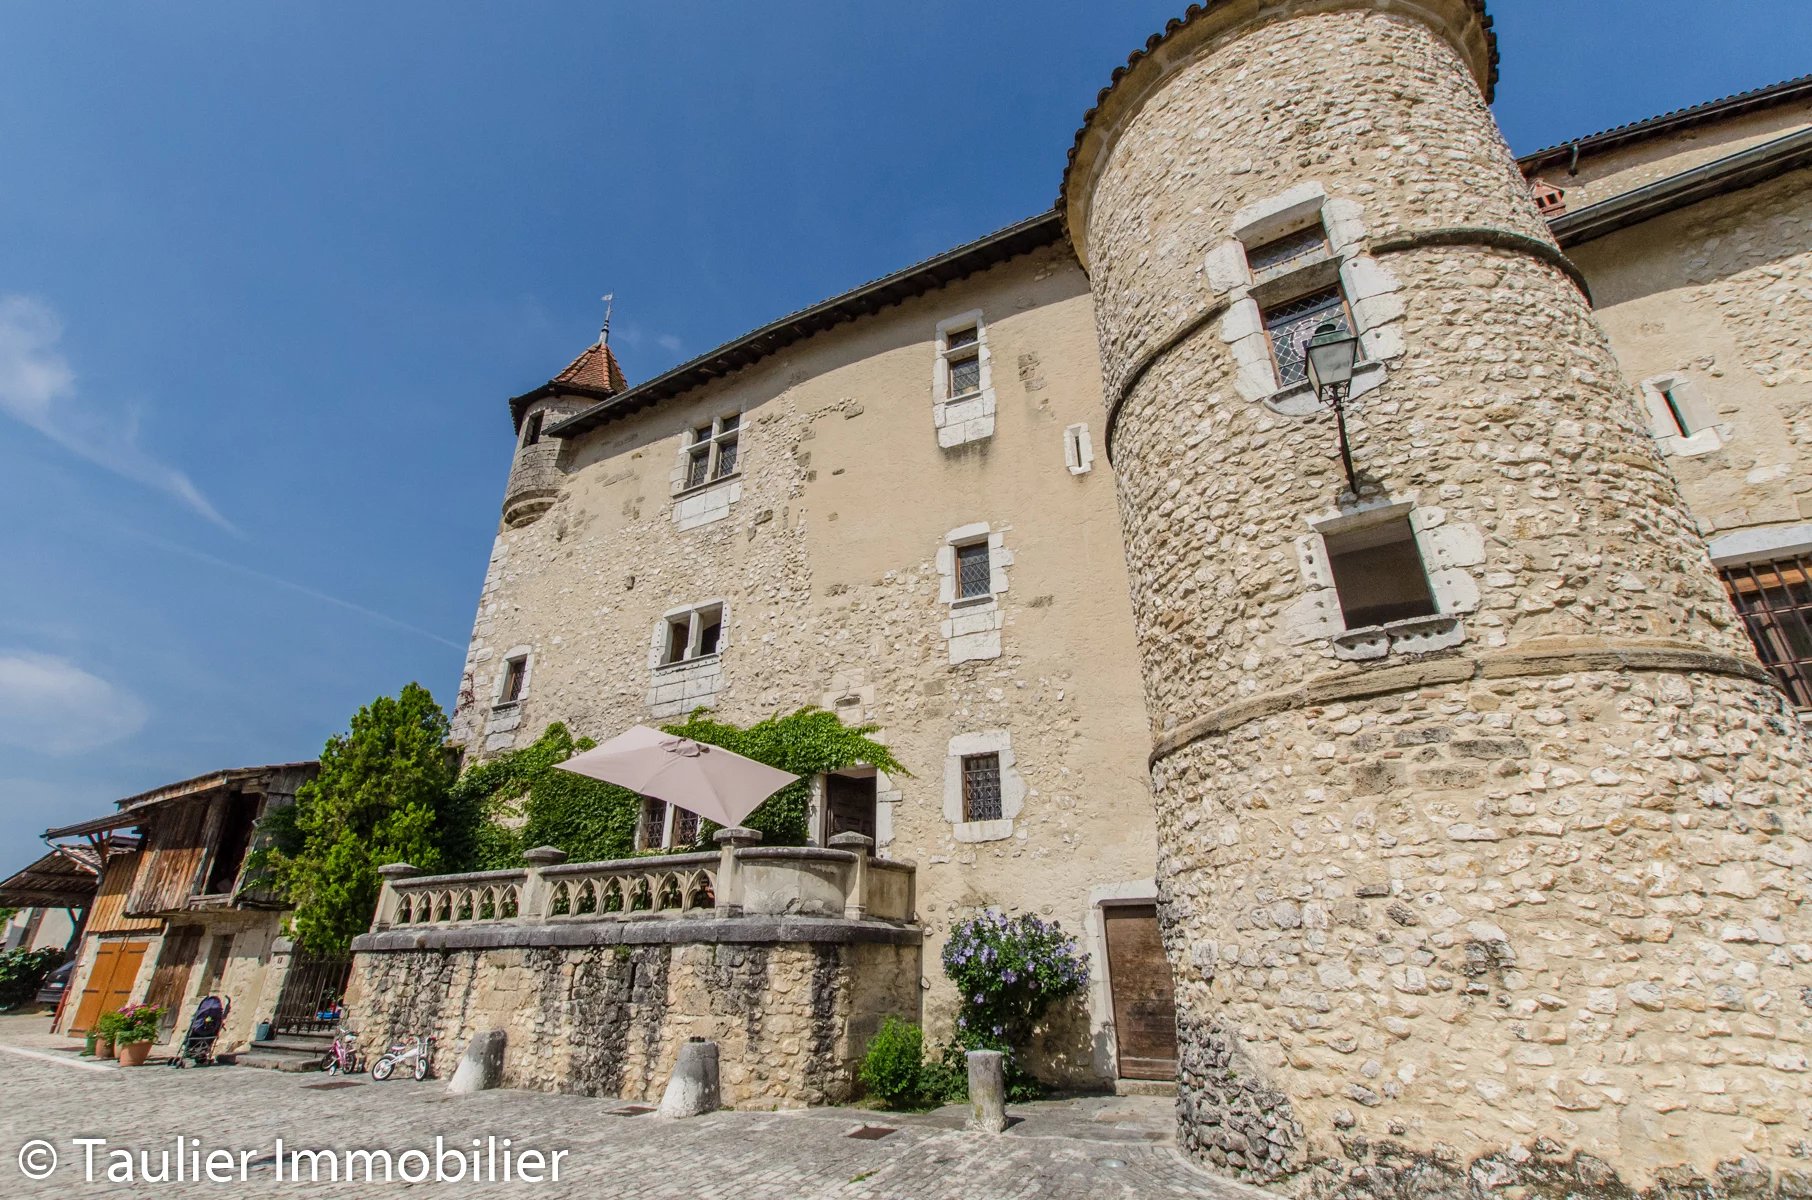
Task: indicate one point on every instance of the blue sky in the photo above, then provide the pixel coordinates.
(269, 272)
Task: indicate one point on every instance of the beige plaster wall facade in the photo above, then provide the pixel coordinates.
(1717, 295)
(1604, 174)
(827, 562)
(1435, 919)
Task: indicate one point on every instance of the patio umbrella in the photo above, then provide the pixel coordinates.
(717, 784)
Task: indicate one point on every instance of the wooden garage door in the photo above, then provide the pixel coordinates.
(109, 982)
(170, 978)
(1145, 1014)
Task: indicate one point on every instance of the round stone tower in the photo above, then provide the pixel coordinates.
(535, 474)
(1483, 857)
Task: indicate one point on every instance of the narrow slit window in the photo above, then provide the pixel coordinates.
(515, 673)
(962, 362)
(531, 428)
(1291, 325)
(652, 831)
(981, 787)
(711, 628)
(1379, 575)
(1288, 248)
(679, 638)
(1669, 398)
(974, 572)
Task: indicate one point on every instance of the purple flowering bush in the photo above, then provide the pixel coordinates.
(1008, 972)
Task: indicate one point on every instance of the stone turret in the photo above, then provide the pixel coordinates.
(1483, 857)
(535, 474)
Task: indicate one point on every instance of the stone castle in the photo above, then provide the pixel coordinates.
(1444, 834)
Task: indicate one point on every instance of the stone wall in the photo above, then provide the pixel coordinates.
(827, 564)
(1530, 907)
(602, 1011)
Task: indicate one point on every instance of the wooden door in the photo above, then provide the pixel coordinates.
(849, 805)
(1145, 1014)
(170, 978)
(109, 982)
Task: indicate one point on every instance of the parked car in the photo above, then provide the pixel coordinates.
(55, 984)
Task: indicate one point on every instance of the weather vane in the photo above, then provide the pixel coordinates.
(609, 299)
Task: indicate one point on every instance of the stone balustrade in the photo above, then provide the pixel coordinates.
(743, 878)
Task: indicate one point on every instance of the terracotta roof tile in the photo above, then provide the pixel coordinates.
(596, 367)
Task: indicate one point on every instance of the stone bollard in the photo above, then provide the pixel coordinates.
(481, 1067)
(987, 1091)
(693, 1088)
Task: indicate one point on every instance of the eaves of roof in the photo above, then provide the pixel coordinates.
(1176, 25)
(1745, 168)
(1753, 100)
(132, 809)
(1031, 234)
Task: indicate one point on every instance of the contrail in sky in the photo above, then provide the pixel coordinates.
(289, 585)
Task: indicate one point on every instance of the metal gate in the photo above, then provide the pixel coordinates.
(312, 990)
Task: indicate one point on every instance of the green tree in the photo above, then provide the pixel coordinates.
(381, 797)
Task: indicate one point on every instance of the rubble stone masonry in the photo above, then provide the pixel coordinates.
(1528, 912)
(791, 1017)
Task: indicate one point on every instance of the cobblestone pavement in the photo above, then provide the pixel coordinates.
(1095, 1148)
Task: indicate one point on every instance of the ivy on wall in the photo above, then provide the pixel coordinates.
(518, 799)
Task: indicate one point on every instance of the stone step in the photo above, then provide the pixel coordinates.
(278, 1061)
(298, 1043)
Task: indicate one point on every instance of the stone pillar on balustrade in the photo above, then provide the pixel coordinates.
(536, 890)
(391, 874)
(855, 904)
(728, 893)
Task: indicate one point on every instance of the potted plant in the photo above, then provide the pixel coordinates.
(136, 1030)
(106, 1033)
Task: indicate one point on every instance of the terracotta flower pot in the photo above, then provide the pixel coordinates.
(133, 1054)
(103, 1048)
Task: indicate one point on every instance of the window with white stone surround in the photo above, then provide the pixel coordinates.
(508, 691)
(686, 658)
(1289, 264)
(707, 480)
(983, 790)
(1681, 419)
(962, 381)
(1386, 578)
(1078, 450)
(972, 576)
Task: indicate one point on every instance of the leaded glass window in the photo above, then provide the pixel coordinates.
(1287, 249)
(981, 787)
(962, 361)
(1292, 325)
(652, 833)
(974, 573)
(713, 452)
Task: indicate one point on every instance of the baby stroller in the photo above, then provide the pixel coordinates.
(198, 1043)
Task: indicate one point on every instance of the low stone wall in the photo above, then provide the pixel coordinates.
(602, 1008)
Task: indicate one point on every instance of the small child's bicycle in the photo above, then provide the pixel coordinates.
(343, 1057)
(414, 1049)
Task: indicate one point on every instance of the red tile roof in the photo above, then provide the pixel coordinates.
(595, 374)
(596, 367)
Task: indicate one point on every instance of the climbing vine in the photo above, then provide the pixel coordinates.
(518, 799)
(806, 743)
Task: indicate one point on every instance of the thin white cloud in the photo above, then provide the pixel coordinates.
(302, 589)
(51, 705)
(38, 389)
(668, 342)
